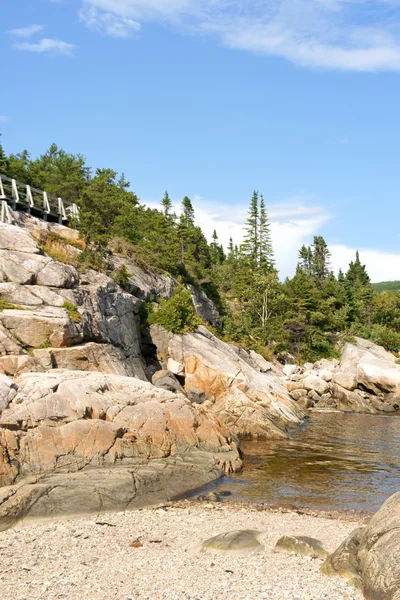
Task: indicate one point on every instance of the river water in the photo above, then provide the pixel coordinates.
(335, 461)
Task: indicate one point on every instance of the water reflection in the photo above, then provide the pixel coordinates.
(334, 462)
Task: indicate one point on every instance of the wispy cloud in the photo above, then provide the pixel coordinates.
(26, 32)
(352, 35)
(108, 23)
(49, 45)
(3, 118)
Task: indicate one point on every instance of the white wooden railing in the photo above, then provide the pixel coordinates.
(20, 196)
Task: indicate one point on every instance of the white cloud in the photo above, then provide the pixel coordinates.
(3, 118)
(108, 23)
(381, 266)
(26, 32)
(329, 34)
(49, 45)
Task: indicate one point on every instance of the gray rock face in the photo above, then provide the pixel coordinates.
(167, 381)
(371, 555)
(39, 286)
(204, 307)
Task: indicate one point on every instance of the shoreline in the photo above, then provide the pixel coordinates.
(154, 554)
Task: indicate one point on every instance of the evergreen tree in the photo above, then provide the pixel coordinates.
(187, 211)
(266, 253)
(251, 243)
(357, 272)
(306, 257)
(215, 249)
(167, 205)
(320, 263)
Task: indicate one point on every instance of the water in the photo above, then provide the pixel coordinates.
(335, 461)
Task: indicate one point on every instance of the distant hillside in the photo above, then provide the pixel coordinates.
(393, 286)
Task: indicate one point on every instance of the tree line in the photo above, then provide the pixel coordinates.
(305, 315)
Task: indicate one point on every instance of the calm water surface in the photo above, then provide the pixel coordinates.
(334, 462)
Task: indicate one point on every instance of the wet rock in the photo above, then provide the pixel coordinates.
(303, 545)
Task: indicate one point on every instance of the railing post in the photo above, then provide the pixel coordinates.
(15, 194)
(46, 206)
(29, 197)
(2, 194)
(61, 211)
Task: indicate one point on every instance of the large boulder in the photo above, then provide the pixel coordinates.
(369, 366)
(73, 441)
(251, 402)
(372, 554)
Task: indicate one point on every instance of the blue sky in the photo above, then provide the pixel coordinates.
(212, 99)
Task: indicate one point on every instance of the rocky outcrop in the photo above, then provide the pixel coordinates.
(77, 442)
(370, 557)
(367, 379)
(228, 381)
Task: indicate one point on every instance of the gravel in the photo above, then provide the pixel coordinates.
(154, 554)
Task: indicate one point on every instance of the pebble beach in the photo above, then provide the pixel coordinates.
(155, 554)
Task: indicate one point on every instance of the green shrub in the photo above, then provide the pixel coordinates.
(177, 314)
(72, 311)
(386, 337)
(121, 276)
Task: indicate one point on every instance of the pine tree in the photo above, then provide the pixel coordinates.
(187, 211)
(305, 256)
(215, 249)
(250, 246)
(265, 250)
(357, 272)
(320, 266)
(167, 205)
(123, 183)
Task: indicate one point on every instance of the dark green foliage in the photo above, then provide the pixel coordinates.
(177, 314)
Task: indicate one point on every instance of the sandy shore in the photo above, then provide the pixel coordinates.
(153, 554)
